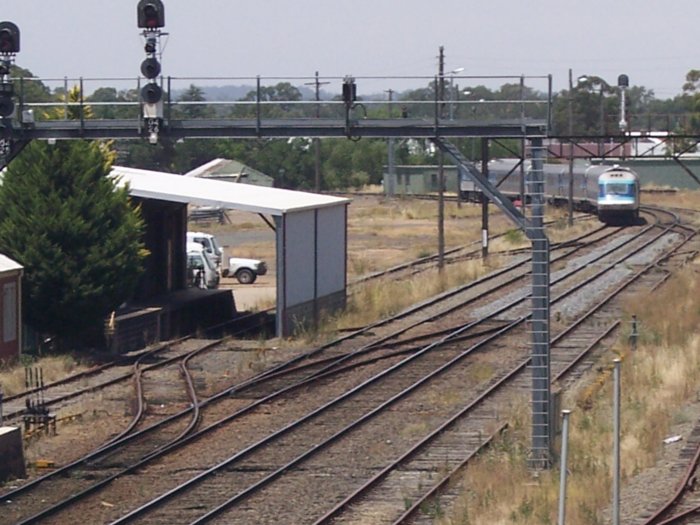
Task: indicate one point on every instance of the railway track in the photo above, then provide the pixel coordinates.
(58, 394)
(304, 370)
(461, 333)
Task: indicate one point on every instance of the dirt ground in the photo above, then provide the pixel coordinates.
(381, 233)
(252, 297)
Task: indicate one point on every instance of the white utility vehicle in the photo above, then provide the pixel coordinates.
(245, 270)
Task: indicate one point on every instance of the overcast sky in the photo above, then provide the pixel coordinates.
(654, 43)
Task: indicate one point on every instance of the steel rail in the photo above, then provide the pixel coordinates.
(171, 493)
(150, 456)
(240, 387)
(358, 494)
(317, 447)
(221, 326)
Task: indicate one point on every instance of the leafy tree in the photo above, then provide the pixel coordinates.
(76, 235)
(280, 93)
(110, 97)
(73, 110)
(691, 99)
(193, 94)
(28, 87)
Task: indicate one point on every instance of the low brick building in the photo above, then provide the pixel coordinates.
(10, 308)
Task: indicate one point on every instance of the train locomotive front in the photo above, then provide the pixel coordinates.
(616, 193)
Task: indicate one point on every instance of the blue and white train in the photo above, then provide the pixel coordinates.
(610, 191)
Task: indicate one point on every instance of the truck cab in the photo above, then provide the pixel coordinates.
(201, 270)
(210, 244)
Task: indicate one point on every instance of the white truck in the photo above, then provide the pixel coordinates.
(246, 271)
(201, 269)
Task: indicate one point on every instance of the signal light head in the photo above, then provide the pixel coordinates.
(7, 106)
(9, 38)
(151, 93)
(349, 91)
(150, 68)
(5, 41)
(151, 14)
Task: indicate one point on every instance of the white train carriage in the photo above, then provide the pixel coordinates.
(610, 191)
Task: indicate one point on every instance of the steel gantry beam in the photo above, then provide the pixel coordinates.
(15, 135)
(272, 128)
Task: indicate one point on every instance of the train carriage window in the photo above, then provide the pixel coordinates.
(619, 189)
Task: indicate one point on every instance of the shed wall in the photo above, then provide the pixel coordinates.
(311, 263)
(331, 250)
(300, 257)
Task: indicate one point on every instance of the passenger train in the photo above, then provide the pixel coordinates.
(610, 191)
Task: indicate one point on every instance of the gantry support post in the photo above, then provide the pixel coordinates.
(539, 321)
(533, 226)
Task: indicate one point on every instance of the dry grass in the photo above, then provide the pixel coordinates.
(658, 380)
(371, 301)
(53, 368)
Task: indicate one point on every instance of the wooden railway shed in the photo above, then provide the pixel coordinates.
(310, 231)
(10, 308)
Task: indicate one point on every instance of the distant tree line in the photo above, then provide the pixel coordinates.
(594, 107)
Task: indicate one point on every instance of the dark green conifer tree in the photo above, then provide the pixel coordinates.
(76, 234)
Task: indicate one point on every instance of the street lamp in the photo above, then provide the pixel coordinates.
(623, 83)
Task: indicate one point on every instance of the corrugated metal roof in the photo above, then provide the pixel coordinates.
(205, 168)
(203, 192)
(231, 171)
(8, 265)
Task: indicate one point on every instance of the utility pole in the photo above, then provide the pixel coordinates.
(317, 142)
(571, 150)
(484, 199)
(441, 167)
(390, 182)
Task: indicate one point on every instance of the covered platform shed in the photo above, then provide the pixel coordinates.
(310, 230)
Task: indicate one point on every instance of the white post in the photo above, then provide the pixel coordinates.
(616, 444)
(564, 459)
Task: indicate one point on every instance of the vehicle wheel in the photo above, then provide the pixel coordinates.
(245, 276)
